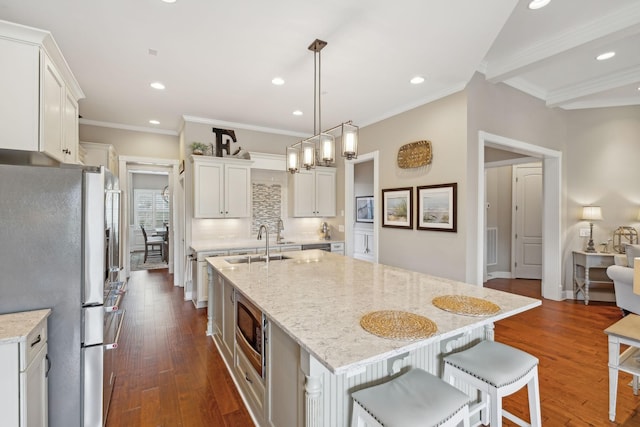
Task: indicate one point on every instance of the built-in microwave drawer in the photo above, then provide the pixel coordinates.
(36, 339)
(249, 378)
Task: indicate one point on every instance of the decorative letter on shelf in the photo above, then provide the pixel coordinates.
(223, 146)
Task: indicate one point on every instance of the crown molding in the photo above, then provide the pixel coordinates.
(127, 127)
(245, 126)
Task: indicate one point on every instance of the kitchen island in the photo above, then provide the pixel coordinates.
(315, 349)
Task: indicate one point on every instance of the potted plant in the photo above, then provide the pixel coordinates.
(199, 148)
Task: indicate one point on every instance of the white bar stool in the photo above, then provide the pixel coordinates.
(415, 398)
(497, 370)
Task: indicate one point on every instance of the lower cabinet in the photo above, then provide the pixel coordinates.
(249, 380)
(23, 369)
(277, 399)
(228, 319)
(284, 379)
(363, 245)
(200, 279)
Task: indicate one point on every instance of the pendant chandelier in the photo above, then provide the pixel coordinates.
(321, 147)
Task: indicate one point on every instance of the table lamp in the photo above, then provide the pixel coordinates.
(591, 213)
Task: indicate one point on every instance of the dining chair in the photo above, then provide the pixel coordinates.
(152, 245)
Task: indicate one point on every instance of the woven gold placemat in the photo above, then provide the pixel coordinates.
(399, 325)
(470, 306)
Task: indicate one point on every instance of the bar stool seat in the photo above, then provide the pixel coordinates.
(415, 398)
(497, 370)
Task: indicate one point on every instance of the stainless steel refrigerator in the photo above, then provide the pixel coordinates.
(59, 249)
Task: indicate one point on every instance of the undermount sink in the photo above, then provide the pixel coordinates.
(256, 258)
(285, 242)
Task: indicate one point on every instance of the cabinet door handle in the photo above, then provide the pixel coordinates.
(37, 340)
(46, 374)
(246, 377)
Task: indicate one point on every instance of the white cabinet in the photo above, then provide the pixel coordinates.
(222, 310)
(363, 245)
(313, 193)
(200, 278)
(221, 187)
(337, 248)
(23, 369)
(284, 379)
(228, 319)
(97, 154)
(39, 105)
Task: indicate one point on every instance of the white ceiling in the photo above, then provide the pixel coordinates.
(217, 59)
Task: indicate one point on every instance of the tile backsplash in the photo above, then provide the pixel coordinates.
(266, 206)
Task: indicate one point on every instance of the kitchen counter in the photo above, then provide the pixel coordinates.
(320, 288)
(316, 351)
(14, 327)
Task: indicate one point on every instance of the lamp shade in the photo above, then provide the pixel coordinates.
(349, 141)
(591, 213)
(293, 159)
(636, 276)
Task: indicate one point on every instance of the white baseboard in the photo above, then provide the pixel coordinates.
(499, 275)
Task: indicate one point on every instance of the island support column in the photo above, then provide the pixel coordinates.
(313, 408)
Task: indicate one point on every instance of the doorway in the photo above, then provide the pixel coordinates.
(551, 232)
(149, 166)
(352, 187)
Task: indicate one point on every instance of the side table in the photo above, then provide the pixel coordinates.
(625, 331)
(582, 263)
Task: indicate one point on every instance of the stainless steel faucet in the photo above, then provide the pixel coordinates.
(266, 232)
(279, 231)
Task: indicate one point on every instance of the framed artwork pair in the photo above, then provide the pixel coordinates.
(435, 209)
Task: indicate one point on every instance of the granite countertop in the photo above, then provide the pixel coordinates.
(14, 327)
(213, 245)
(318, 298)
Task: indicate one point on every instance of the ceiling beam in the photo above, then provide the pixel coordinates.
(571, 93)
(616, 25)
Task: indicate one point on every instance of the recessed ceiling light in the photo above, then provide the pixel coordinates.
(538, 4)
(606, 55)
(297, 113)
(154, 122)
(278, 81)
(417, 80)
(169, 1)
(157, 85)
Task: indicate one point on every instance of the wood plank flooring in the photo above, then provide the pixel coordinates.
(169, 372)
(171, 375)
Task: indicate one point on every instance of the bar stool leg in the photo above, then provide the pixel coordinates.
(533, 390)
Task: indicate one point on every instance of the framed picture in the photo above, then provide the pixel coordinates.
(364, 209)
(437, 206)
(396, 207)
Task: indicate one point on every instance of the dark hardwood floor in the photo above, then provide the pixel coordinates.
(170, 373)
(568, 338)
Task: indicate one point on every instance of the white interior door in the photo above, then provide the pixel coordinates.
(528, 221)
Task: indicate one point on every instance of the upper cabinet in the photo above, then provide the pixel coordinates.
(313, 192)
(221, 187)
(97, 154)
(39, 106)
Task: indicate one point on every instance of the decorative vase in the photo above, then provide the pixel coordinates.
(198, 151)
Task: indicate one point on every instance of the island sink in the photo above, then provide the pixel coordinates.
(255, 258)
